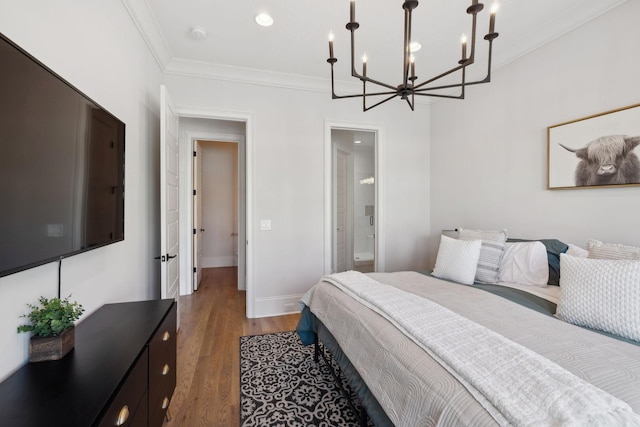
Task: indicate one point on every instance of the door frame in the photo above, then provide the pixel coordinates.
(239, 140)
(379, 259)
(186, 191)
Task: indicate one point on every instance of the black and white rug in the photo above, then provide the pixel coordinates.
(282, 386)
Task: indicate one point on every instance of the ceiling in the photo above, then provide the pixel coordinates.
(294, 50)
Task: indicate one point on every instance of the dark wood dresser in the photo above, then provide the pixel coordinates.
(121, 372)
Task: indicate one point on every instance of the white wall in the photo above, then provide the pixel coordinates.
(95, 46)
(288, 182)
(489, 152)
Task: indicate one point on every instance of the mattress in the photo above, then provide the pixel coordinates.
(413, 389)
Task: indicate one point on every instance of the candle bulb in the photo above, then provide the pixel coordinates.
(492, 19)
(364, 65)
(413, 65)
(353, 11)
(330, 45)
(463, 40)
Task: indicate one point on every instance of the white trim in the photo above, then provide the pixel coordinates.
(276, 306)
(247, 118)
(218, 261)
(149, 30)
(380, 181)
(187, 286)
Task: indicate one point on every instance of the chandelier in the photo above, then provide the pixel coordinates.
(409, 87)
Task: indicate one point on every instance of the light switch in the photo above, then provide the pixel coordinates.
(265, 224)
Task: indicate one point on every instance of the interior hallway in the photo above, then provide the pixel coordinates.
(212, 320)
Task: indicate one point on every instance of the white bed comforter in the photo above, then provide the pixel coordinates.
(527, 389)
(416, 390)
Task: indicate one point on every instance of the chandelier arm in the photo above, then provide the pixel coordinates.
(465, 62)
(460, 85)
(411, 103)
(446, 73)
(367, 79)
(472, 56)
(353, 29)
(332, 61)
(381, 102)
(333, 90)
(436, 95)
(359, 95)
(486, 79)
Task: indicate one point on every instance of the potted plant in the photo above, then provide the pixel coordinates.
(52, 327)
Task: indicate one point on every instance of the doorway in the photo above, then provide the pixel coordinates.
(353, 206)
(217, 211)
(198, 125)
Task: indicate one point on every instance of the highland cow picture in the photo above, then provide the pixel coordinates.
(602, 150)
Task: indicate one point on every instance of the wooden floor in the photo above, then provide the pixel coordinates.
(212, 320)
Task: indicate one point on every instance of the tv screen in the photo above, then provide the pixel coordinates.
(61, 166)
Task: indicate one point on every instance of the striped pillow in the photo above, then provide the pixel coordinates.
(493, 246)
(600, 250)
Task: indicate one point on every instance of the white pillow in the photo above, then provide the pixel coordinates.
(493, 243)
(600, 250)
(577, 251)
(525, 263)
(457, 260)
(601, 294)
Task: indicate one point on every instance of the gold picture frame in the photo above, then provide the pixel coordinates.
(598, 151)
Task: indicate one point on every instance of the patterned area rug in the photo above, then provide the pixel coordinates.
(281, 385)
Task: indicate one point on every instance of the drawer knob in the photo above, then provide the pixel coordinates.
(165, 403)
(123, 415)
(166, 336)
(165, 369)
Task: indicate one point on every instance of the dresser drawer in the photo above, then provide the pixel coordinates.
(162, 368)
(131, 398)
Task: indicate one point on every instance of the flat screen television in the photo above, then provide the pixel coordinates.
(61, 166)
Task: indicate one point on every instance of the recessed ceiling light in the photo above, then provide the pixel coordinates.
(198, 33)
(415, 46)
(264, 19)
(357, 142)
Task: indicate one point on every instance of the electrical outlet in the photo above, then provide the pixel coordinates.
(289, 307)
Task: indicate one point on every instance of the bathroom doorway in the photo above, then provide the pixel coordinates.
(354, 193)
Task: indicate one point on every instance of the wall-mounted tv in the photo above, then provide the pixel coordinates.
(61, 166)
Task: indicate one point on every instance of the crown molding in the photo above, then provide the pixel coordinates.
(148, 28)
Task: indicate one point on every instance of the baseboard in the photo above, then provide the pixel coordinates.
(277, 306)
(218, 261)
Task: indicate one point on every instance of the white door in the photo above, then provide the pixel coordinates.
(341, 211)
(169, 244)
(197, 216)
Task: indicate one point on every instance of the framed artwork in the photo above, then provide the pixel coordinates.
(602, 150)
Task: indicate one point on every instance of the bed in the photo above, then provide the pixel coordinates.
(402, 383)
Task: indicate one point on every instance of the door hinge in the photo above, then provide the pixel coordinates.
(194, 192)
(194, 231)
(195, 270)
(194, 154)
